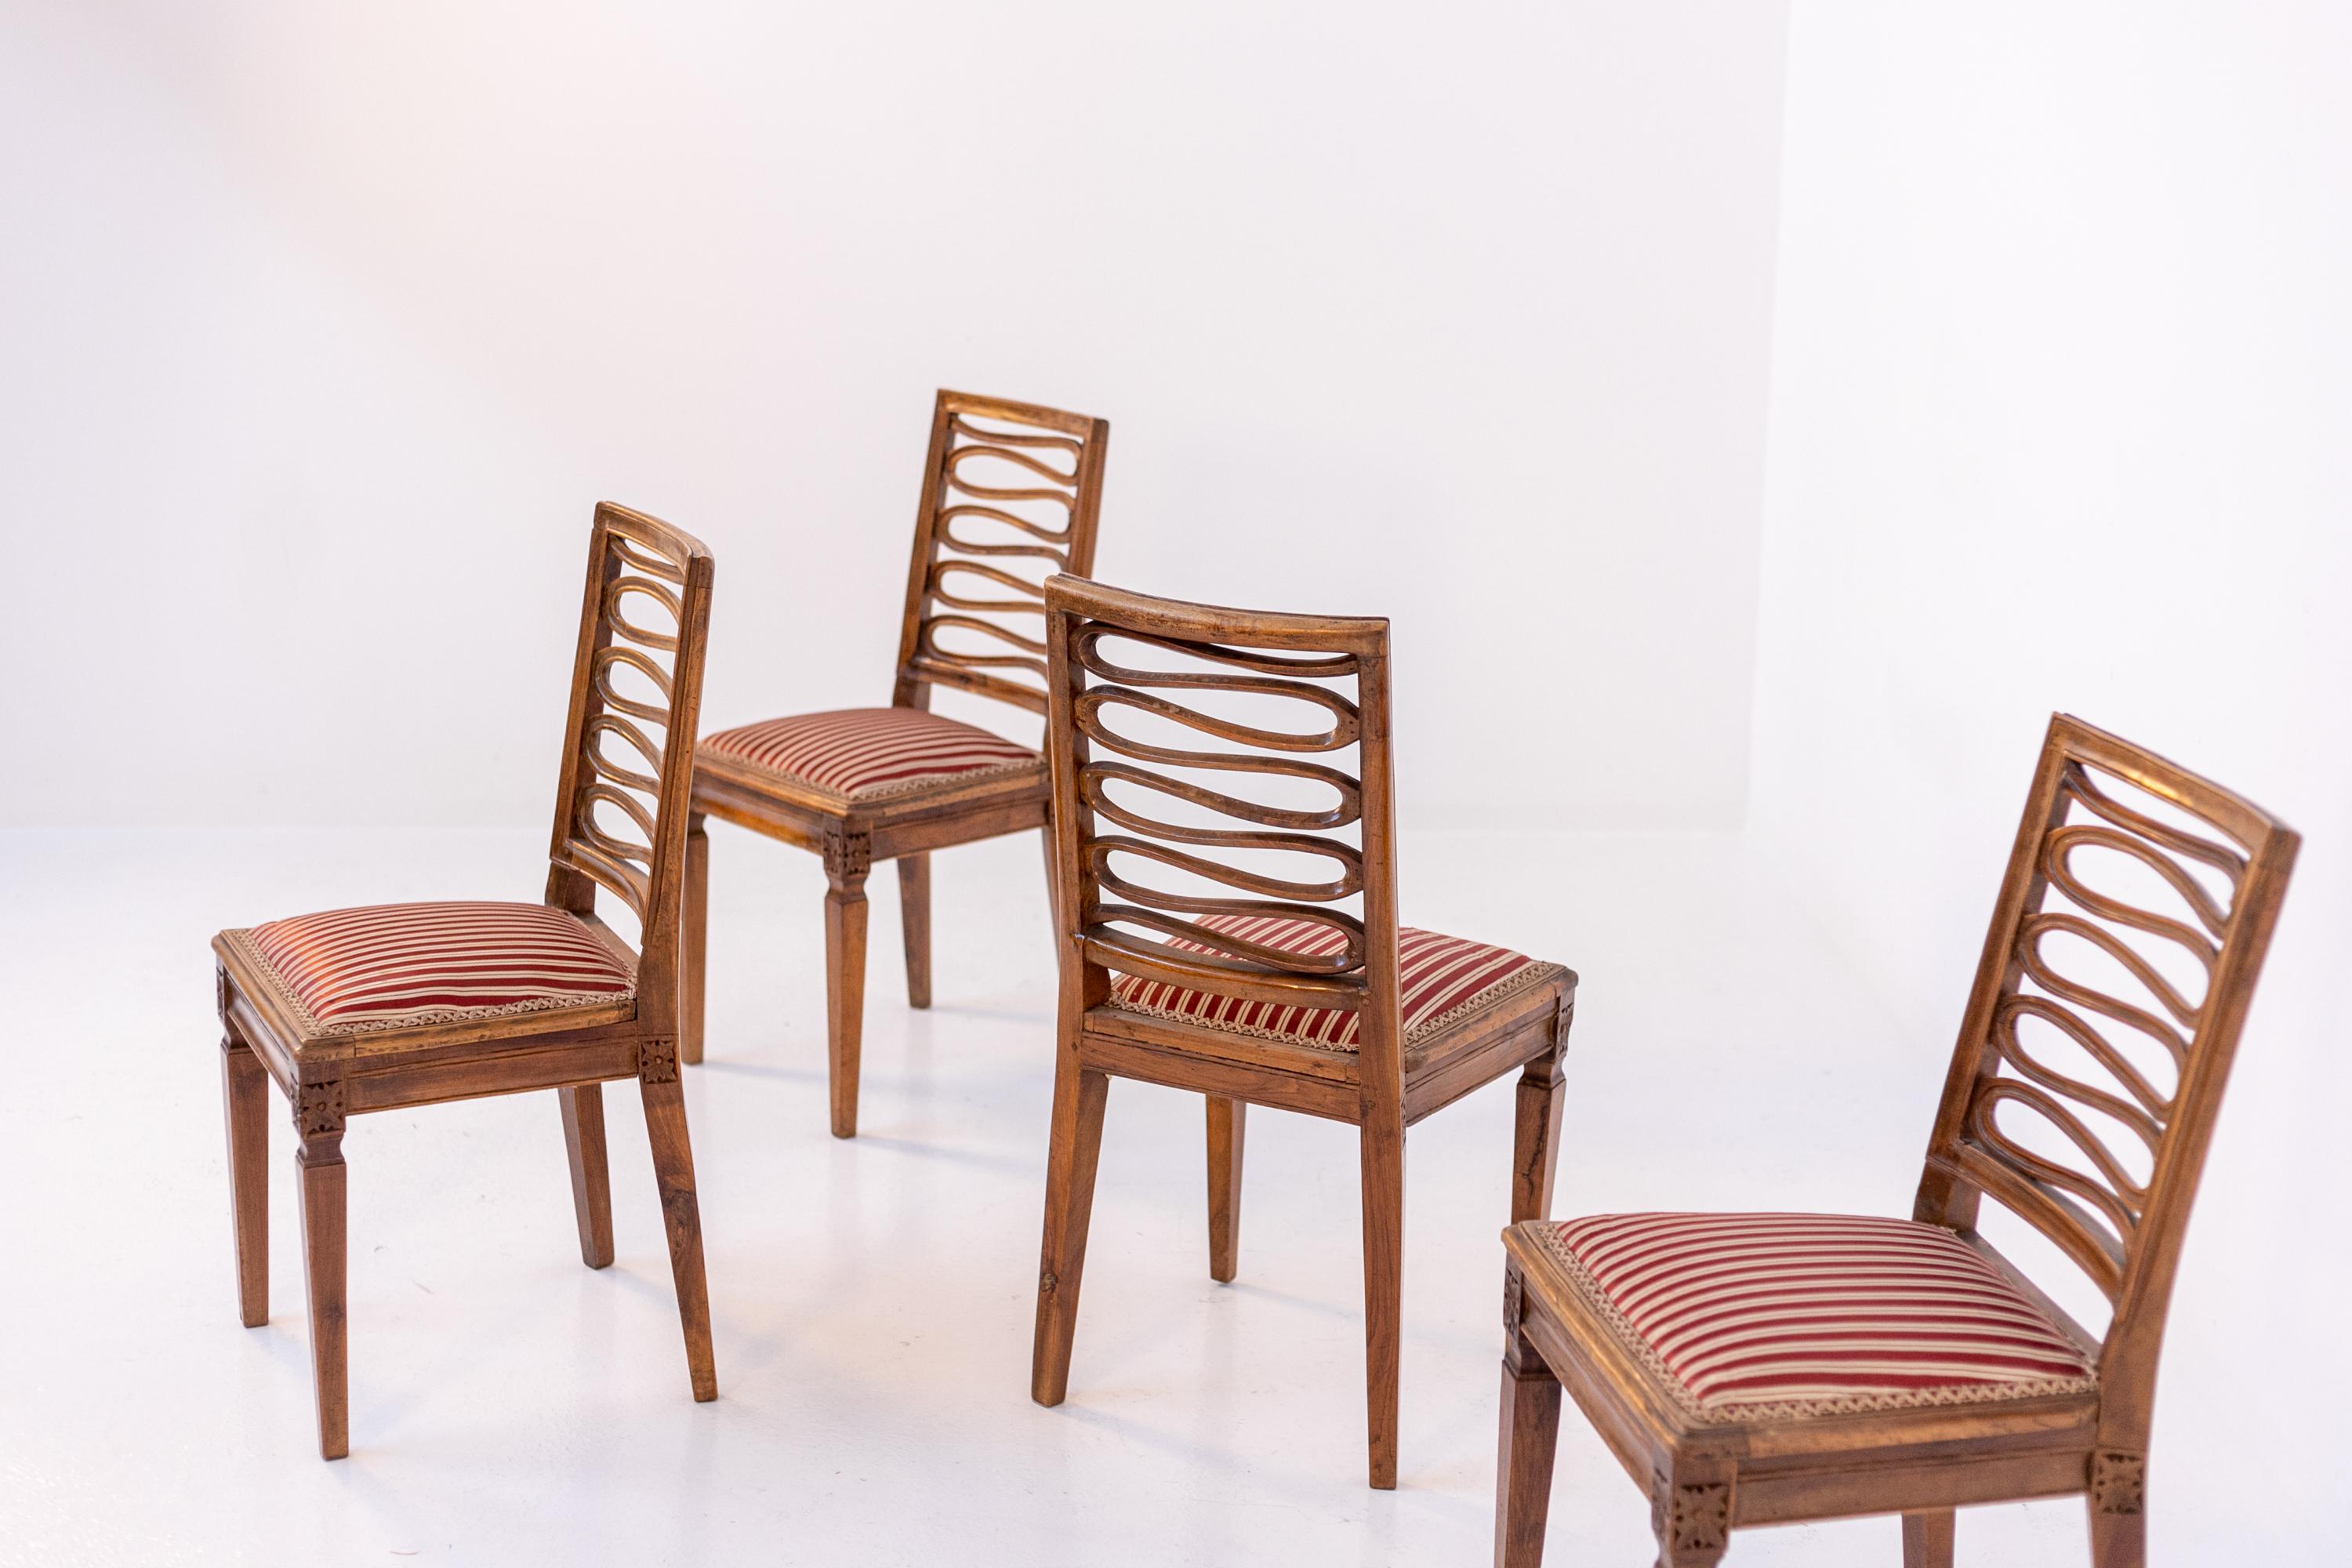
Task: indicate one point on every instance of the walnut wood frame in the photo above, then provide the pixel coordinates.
(329, 1077)
(1382, 1088)
(1705, 1479)
(853, 836)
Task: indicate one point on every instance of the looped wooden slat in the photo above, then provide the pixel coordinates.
(1053, 540)
(1094, 778)
(620, 588)
(1062, 491)
(1088, 639)
(2031, 1067)
(1348, 724)
(2120, 1199)
(617, 877)
(2057, 856)
(1350, 882)
(644, 560)
(602, 677)
(964, 427)
(595, 793)
(2030, 935)
(2100, 803)
(1030, 602)
(1088, 708)
(1347, 960)
(2155, 1105)
(615, 724)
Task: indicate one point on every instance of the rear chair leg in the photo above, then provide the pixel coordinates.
(681, 1214)
(1928, 1539)
(244, 1102)
(1227, 1122)
(319, 1164)
(847, 858)
(915, 925)
(1535, 1158)
(1381, 1150)
(592, 1178)
(2118, 1503)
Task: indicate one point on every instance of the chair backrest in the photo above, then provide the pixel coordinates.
(2129, 931)
(1159, 830)
(1010, 494)
(636, 687)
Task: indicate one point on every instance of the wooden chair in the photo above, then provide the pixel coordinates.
(1004, 484)
(403, 1005)
(1273, 998)
(1763, 1369)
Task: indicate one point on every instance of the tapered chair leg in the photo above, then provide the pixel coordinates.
(1072, 1155)
(693, 932)
(1053, 886)
(1928, 1539)
(844, 975)
(319, 1165)
(682, 1222)
(1382, 1159)
(245, 1104)
(592, 1179)
(1535, 1156)
(1691, 1514)
(2118, 1506)
(1523, 1462)
(915, 925)
(1227, 1122)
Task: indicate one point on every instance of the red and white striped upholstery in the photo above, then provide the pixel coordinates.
(1441, 978)
(868, 753)
(1771, 1316)
(400, 966)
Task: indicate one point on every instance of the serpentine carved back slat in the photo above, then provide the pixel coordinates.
(1120, 788)
(1010, 494)
(628, 748)
(2104, 1019)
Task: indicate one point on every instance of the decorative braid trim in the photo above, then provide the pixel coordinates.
(1728, 1412)
(242, 940)
(1517, 979)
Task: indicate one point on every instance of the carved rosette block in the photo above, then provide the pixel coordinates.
(847, 856)
(657, 1060)
(2117, 1482)
(1690, 1516)
(318, 1109)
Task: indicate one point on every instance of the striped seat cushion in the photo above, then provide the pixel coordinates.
(1771, 1316)
(400, 966)
(868, 753)
(1442, 979)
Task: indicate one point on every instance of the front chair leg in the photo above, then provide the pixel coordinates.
(1690, 1511)
(693, 941)
(1074, 1148)
(682, 1214)
(2118, 1504)
(244, 1103)
(1227, 1122)
(319, 1165)
(847, 858)
(1928, 1539)
(591, 1177)
(1535, 1156)
(1381, 1149)
(915, 925)
(1528, 1440)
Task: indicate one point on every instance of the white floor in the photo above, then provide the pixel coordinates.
(872, 1298)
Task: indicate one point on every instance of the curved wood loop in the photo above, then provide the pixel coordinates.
(1030, 602)
(1086, 642)
(2057, 856)
(2035, 927)
(2153, 1107)
(635, 707)
(1064, 484)
(1254, 955)
(1093, 778)
(620, 588)
(615, 724)
(1088, 709)
(962, 425)
(648, 559)
(2119, 1197)
(2071, 1228)
(1053, 539)
(2101, 803)
(1100, 850)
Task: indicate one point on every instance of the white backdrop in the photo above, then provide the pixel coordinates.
(2062, 417)
(328, 324)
